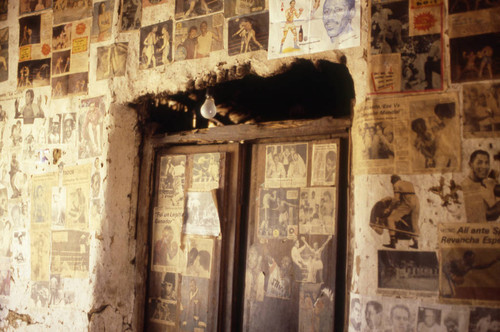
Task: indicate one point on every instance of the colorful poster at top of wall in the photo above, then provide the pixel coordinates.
(303, 27)
(130, 15)
(185, 9)
(156, 45)
(243, 7)
(29, 6)
(71, 10)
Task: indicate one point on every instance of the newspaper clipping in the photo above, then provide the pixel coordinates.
(70, 253)
(4, 54)
(317, 211)
(324, 169)
(470, 262)
(286, 165)
(172, 181)
(202, 217)
(408, 270)
(408, 135)
(199, 253)
(194, 304)
(40, 253)
(406, 47)
(163, 297)
(76, 179)
(248, 33)
(278, 213)
(481, 105)
(91, 127)
(41, 199)
(166, 251)
(206, 171)
(35, 33)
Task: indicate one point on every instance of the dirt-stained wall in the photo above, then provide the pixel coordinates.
(69, 159)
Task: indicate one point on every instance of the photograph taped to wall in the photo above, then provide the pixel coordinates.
(60, 62)
(4, 54)
(185, 9)
(172, 181)
(243, 7)
(481, 106)
(165, 286)
(29, 30)
(201, 215)
(408, 270)
(102, 20)
(315, 308)
(194, 304)
(324, 164)
(317, 211)
(64, 13)
(166, 250)
(433, 126)
(156, 41)
(40, 253)
(6, 240)
(39, 294)
(309, 255)
(61, 37)
(199, 253)
(484, 319)
(76, 179)
(480, 186)
(286, 165)
(41, 199)
(70, 254)
(91, 127)
(34, 107)
(54, 129)
(69, 129)
(197, 38)
(59, 206)
(130, 15)
(429, 319)
(470, 262)
(162, 312)
(80, 43)
(278, 213)
(206, 171)
(468, 18)
(406, 47)
(33, 73)
(111, 61)
(248, 33)
(475, 58)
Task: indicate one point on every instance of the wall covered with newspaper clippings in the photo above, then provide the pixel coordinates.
(426, 193)
(423, 203)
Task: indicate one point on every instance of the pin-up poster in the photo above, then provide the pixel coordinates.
(302, 27)
(76, 179)
(102, 20)
(130, 15)
(91, 127)
(406, 47)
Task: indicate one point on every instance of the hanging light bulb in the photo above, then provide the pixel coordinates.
(208, 109)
